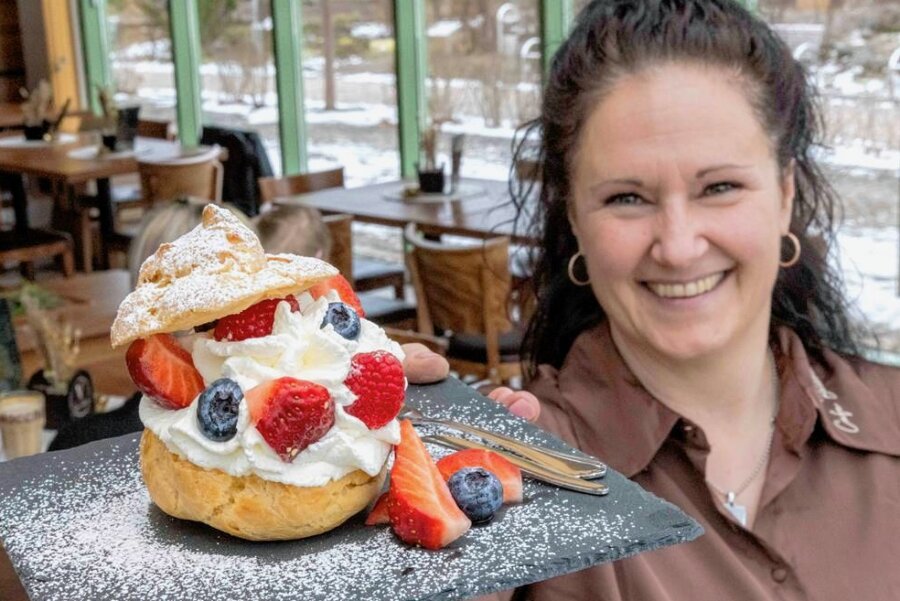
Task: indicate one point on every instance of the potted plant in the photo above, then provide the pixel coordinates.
(431, 176)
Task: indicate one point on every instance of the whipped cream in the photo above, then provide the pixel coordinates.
(300, 348)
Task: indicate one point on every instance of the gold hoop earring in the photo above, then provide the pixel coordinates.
(796, 256)
(572, 277)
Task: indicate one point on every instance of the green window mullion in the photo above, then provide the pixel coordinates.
(287, 28)
(95, 46)
(556, 18)
(411, 60)
(185, 31)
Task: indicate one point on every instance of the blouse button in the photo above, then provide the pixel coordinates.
(779, 574)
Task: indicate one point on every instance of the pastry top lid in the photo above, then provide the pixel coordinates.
(219, 268)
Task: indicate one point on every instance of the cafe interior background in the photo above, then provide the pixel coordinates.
(322, 84)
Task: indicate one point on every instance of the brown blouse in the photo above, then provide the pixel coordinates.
(828, 522)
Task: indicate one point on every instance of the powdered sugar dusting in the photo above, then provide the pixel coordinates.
(217, 268)
(80, 525)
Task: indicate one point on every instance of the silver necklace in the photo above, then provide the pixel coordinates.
(730, 496)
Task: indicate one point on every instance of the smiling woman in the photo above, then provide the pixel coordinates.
(681, 247)
(688, 329)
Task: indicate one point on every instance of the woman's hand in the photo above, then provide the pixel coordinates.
(423, 366)
(518, 402)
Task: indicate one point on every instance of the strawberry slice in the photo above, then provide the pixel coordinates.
(377, 380)
(420, 506)
(339, 284)
(290, 414)
(509, 475)
(379, 514)
(162, 369)
(253, 322)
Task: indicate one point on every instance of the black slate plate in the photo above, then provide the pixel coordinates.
(79, 524)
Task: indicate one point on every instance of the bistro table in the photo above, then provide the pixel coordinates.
(89, 302)
(75, 159)
(481, 208)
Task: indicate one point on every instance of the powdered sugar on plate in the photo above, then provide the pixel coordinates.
(80, 525)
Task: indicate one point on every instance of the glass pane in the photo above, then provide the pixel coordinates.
(848, 49)
(141, 56)
(350, 86)
(237, 70)
(484, 67)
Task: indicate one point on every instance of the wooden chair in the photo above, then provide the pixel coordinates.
(366, 274)
(126, 191)
(27, 247)
(462, 294)
(394, 311)
(154, 128)
(199, 177)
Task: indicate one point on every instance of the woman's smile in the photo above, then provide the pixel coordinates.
(685, 289)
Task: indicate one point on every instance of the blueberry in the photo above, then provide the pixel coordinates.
(217, 409)
(477, 492)
(344, 320)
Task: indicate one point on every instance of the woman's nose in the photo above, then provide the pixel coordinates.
(679, 239)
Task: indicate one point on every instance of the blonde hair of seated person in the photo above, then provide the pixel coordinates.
(164, 224)
(294, 229)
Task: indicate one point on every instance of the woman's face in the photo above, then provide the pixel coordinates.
(679, 206)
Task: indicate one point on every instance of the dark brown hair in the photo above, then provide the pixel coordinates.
(613, 38)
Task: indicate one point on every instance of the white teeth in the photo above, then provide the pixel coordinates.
(695, 288)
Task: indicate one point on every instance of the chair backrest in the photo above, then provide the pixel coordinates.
(200, 178)
(271, 188)
(153, 128)
(341, 256)
(460, 288)
(528, 170)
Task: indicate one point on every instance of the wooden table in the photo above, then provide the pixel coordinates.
(482, 210)
(90, 302)
(55, 161)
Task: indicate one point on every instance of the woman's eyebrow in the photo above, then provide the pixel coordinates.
(707, 170)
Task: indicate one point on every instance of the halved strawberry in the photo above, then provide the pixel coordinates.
(162, 369)
(420, 506)
(509, 475)
(379, 514)
(290, 414)
(377, 380)
(253, 322)
(339, 284)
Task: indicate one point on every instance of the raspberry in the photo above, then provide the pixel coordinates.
(253, 322)
(377, 380)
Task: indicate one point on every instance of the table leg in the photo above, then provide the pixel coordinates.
(107, 219)
(78, 222)
(13, 183)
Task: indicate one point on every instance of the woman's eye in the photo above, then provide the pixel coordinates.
(624, 199)
(719, 188)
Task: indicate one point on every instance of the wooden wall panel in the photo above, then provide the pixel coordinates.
(12, 64)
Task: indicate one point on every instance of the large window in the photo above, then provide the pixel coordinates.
(852, 51)
(237, 71)
(484, 77)
(141, 56)
(350, 88)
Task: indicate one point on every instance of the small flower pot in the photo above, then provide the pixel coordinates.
(110, 141)
(37, 132)
(432, 182)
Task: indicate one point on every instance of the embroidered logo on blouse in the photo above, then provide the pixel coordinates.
(842, 421)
